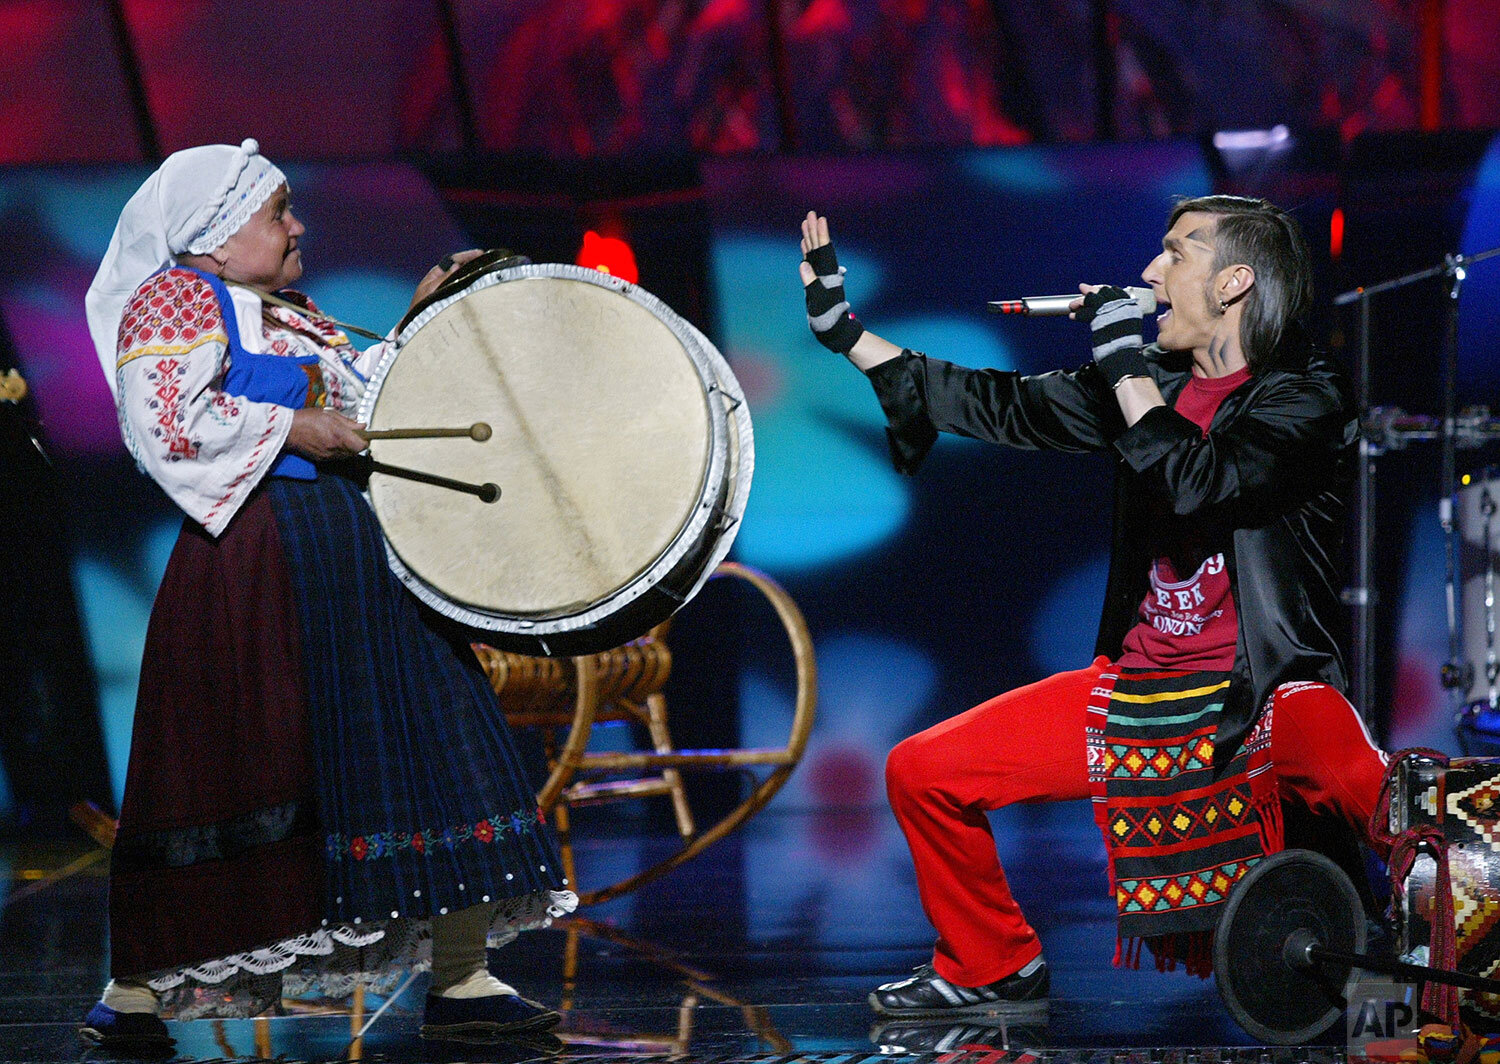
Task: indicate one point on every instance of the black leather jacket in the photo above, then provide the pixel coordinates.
(1269, 483)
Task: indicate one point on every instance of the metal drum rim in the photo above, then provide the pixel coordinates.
(744, 443)
(714, 376)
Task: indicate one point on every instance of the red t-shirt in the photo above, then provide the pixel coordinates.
(1187, 619)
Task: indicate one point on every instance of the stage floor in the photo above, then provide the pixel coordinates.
(762, 948)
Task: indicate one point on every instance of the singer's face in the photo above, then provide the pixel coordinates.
(1182, 278)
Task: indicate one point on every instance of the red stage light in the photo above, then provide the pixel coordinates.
(608, 254)
(1336, 232)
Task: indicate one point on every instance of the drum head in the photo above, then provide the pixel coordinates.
(611, 442)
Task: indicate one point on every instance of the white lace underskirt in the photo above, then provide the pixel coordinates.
(328, 964)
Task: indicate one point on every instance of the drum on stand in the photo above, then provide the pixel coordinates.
(619, 439)
(1478, 515)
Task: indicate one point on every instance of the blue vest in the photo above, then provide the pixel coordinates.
(278, 379)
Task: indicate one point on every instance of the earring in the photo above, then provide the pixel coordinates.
(1223, 307)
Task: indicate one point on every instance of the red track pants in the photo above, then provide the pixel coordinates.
(1028, 746)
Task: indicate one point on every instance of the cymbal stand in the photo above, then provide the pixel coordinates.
(1456, 673)
(1361, 595)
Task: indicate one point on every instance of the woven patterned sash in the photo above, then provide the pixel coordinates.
(1178, 837)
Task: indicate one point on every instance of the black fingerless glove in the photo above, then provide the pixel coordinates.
(827, 310)
(1115, 318)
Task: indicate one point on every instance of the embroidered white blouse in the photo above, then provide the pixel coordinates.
(206, 448)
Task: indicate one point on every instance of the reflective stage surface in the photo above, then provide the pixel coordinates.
(764, 947)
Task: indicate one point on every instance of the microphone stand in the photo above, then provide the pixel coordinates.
(1361, 595)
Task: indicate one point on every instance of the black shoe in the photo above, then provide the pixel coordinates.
(945, 1036)
(140, 1031)
(928, 994)
(484, 1018)
(531, 1044)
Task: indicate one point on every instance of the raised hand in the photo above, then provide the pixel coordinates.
(828, 314)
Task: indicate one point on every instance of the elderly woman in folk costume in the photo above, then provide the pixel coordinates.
(320, 779)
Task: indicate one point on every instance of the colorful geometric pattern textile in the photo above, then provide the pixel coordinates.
(1461, 799)
(1179, 834)
(172, 313)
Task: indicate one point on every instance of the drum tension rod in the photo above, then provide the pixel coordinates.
(733, 402)
(486, 492)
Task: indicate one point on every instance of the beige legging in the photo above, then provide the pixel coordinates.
(458, 945)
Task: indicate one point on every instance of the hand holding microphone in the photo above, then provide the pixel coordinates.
(1114, 315)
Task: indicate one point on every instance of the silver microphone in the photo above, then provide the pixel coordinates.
(1054, 306)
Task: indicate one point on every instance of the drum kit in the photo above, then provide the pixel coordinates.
(1478, 683)
(1469, 517)
(1466, 513)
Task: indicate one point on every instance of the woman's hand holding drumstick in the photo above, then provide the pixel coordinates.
(324, 434)
(486, 492)
(321, 435)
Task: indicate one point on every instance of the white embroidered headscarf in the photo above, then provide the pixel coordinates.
(197, 199)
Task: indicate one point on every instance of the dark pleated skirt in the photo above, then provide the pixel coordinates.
(311, 746)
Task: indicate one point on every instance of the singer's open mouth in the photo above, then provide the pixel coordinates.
(1166, 309)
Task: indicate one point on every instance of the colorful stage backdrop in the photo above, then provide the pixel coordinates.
(925, 594)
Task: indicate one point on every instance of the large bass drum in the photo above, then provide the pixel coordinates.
(621, 444)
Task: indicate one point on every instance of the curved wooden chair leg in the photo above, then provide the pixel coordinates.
(784, 760)
(565, 766)
(625, 684)
(661, 739)
(585, 704)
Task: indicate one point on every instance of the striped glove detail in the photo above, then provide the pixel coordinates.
(828, 314)
(1115, 319)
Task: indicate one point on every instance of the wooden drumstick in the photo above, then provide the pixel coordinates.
(486, 492)
(477, 431)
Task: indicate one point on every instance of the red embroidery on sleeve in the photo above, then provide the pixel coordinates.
(250, 466)
(172, 313)
(170, 418)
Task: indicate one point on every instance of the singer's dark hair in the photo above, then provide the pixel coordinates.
(1268, 240)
